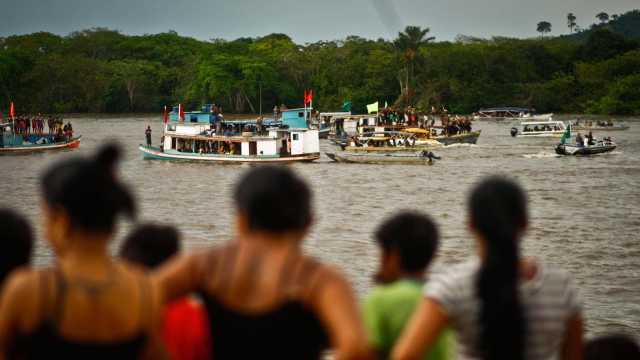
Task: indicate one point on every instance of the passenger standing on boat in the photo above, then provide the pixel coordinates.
(579, 140)
(265, 298)
(147, 133)
(590, 139)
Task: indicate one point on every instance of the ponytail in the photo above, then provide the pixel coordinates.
(88, 190)
(498, 213)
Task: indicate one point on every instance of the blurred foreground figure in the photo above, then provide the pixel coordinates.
(612, 347)
(264, 297)
(502, 306)
(408, 242)
(185, 328)
(87, 305)
(16, 238)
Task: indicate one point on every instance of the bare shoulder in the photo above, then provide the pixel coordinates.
(22, 282)
(324, 277)
(21, 298)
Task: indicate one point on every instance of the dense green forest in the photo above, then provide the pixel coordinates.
(99, 70)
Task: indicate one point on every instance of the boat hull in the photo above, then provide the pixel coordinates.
(153, 153)
(380, 159)
(72, 144)
(600, 128)
(468, 138)
(585, 150)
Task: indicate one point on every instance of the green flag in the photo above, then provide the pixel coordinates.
(346, 106)
(566, 136)
(372, 108)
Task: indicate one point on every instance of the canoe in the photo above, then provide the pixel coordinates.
(568, 149)
(465, 138)
(381, 159)
(30, 147)
(154, 153)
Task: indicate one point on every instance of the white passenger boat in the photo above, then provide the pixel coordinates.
(204, 136)
(539, 129)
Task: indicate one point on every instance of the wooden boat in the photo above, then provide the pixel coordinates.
(17, 143)
(417, 158)
(209, 138)
(156, 153)
(572, 149)
(464, 138)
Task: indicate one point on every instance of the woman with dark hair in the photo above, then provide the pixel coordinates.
(265, 298)
(87, 305)
(501, 305)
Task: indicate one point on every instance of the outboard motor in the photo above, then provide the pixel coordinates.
(514, 131)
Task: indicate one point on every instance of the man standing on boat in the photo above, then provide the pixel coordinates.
(147, 133)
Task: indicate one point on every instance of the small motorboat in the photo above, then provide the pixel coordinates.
(574, 149)
(419, 158)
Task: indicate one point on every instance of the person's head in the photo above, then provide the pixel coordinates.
(273, 200)
(18, 242)
(408, 241)
(612, 347)
(498, 217)
(82, 196)
(150, 245)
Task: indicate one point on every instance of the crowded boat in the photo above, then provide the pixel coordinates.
(206, 136)
(36, 132)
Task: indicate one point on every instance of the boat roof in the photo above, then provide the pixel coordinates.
(507, 108)
(333, 114)
(542, 122)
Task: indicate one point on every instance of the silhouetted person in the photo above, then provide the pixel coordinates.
(501, 305)
(266, 298)
(86, 305)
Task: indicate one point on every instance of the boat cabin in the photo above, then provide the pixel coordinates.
(505, 112)
(205, 133)
(540, 128)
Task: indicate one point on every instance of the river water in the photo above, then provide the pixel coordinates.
(585, 212)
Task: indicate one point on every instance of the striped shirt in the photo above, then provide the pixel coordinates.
(549, 300)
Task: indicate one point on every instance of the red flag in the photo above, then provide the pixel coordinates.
(308, 96)
(12, 111)
(165, 115)
(181, 112)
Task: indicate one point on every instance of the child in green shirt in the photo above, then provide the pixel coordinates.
(408, 242)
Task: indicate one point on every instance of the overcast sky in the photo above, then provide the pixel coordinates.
(303, 20)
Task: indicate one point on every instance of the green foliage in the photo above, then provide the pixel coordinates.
(100, 70)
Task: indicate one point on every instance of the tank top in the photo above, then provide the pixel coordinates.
(291, 330)
(46, 342)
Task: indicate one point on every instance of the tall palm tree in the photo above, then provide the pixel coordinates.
(544, 27)
(571, 21)
(409, 42)
(603, 17)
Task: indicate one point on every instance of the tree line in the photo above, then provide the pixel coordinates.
(102, 70)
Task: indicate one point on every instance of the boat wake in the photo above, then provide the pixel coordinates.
(541, 155)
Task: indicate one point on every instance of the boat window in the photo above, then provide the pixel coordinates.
(295, 137)
(301, 114)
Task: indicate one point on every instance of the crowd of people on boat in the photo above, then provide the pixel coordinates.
(541, 127)
(260, 295)
(599, 123)
(30, 124)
